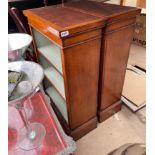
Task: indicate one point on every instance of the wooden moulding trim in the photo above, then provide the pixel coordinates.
(103, 114)
(85, 28)
(124, 27)
(82, 42)
(120, 24)
(84, 129)
(61, 119)
(85, 31)
(120, 20)
(61, 45)
(123, 15)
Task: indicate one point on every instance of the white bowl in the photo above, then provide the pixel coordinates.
(17, 44)
(33, 73)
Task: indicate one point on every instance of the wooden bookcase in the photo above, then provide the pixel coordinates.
(117, 36)
(67, 44)
(83, 47)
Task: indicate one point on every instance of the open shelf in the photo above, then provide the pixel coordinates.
(49, 50)
(59, 102)
(52, 54)
(56, 80)
(44, 63)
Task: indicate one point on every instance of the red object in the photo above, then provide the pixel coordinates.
(37, 111)
(13, 55)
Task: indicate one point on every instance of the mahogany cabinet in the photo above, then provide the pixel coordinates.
(116, 40)
(67, 44)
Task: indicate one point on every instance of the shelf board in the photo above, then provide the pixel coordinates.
(59, 102)
(52, 54)
(56, 80)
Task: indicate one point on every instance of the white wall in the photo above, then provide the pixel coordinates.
(127, 2)
(110, 1)
(114, 1)
(131, 3)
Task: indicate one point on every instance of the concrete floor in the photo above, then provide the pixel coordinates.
(124, 127)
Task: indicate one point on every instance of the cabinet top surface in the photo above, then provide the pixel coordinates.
(78, 15)
(100, 9)
(61, 17)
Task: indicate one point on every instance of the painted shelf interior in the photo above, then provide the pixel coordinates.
(56, 79)
(49, 50)
(59, 102)
(50, 59)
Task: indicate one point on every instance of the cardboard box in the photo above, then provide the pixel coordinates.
(139, 36)
(141, 3)
(134, 89)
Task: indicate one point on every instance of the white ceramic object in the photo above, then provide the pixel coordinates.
(33, 73)
(24, 87)
(17, 45)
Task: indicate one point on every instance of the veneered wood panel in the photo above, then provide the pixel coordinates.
(115, 56)
(82, 70)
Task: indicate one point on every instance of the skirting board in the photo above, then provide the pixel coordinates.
(84, 129)
(106, 113)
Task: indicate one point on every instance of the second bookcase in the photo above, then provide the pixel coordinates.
(68, 49)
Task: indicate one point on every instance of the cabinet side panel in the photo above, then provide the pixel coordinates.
(82, 70)
(116, 46)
